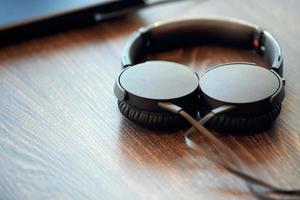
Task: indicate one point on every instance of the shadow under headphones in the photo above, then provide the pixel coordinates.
(239, 96)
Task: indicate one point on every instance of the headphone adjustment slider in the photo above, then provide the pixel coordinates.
(146, 36)
(258, 42)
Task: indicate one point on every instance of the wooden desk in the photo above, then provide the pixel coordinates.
(62, 136)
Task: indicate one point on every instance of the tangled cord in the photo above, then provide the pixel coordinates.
(272, 193)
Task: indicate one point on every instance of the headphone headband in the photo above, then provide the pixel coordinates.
(172, 34)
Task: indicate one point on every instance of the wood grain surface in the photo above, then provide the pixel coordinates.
(62, 136)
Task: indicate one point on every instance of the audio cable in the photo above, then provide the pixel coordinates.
(272, 193)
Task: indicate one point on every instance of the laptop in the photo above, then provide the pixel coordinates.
(22, 19)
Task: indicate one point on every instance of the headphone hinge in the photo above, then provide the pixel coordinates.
(146, 37)
(258, 42)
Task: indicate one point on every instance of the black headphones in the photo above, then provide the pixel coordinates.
(240, 96)
(229, 97)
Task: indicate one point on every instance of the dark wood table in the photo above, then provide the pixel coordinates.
(62, 136)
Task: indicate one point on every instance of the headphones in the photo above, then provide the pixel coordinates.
(231, 97)
(252, 95)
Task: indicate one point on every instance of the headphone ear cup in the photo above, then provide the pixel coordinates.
(244, 123)
(151, 120)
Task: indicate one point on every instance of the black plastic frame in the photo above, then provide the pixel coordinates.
(231, 32)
